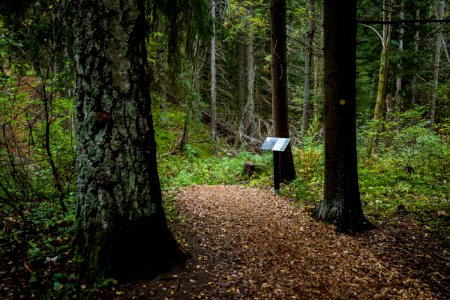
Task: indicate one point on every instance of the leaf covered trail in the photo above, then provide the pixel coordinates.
(250, 243)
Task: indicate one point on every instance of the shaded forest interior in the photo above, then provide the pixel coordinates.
(136, 119)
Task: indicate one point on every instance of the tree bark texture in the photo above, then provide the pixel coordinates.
(439, 11)
(250, 104)
(241, 89)
(279, 86)
(308, 67)
(341, 204)
(378, 115)
(317, 106)
(160, 63)
(416, 50)
(121, 226)
(398, 79)
(213, 80)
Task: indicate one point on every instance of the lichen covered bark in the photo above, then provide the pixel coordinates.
(121, 228)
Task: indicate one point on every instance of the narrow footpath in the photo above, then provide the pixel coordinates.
(248, 243)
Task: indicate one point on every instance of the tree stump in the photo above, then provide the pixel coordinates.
(249, 169)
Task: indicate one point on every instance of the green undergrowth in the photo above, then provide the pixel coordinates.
(384, 186)
(195, 164)
(408, 174)
(386, 190)
(184, 170)
(410, 168)
(36, 255)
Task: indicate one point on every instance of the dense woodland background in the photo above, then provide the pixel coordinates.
(212, 108)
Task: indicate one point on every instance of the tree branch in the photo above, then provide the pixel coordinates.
(422, 21)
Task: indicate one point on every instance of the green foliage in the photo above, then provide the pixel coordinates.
(411, 166)
(183, 23)
(35, 117)
(183, 170)
(413, 147)
(307, 188)
(33, 227)
(247, 17)
(169, 130)
(25, 169)
(37, 249)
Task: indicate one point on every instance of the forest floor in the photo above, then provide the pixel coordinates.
(249, 243)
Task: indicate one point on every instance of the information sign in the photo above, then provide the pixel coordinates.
(276, 145)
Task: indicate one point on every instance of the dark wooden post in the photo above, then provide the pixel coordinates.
(276, 145)
(276, 171)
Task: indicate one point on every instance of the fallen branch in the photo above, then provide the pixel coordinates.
(229, 129)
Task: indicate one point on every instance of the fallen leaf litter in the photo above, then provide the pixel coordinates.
(248, 243)
(256, 244)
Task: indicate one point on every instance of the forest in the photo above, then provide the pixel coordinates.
(131, 164)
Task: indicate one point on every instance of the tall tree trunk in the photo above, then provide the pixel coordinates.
(250, 104)
(398, 79)
(318, 75)
(378, 115)
(341, 204)
(416, 51)
(317, 107)
(160, 64)
(121, 226)
(439, 11)
(213, 80)
(241, 90)
(286, 169)
(308, 66)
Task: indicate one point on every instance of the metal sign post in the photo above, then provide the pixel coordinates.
(276, 145)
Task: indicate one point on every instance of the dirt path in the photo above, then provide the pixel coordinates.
(248, 243)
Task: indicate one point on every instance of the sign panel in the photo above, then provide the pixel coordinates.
(275, 144)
